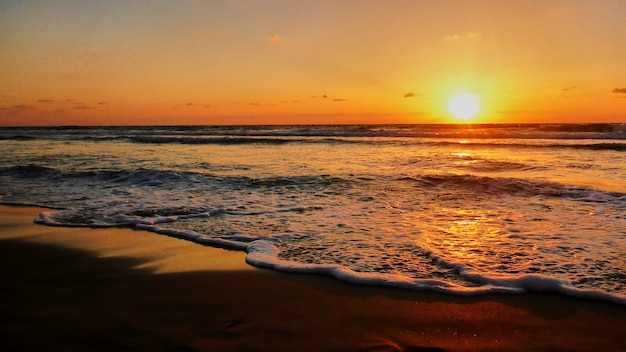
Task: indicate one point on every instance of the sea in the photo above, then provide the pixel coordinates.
(460, 209)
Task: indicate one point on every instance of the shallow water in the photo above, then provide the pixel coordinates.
(460, 209)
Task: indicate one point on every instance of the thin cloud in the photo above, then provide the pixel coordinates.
(329, 98)
(460, 36)
(45, 101)
(18, 109)
(83, 107)
(409, 95)
(23, 107)
(619, 90)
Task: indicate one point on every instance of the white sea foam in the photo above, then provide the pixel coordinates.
(263, 254)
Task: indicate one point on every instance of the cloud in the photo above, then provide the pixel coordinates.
(619, 90)
(18, 109)
(409, 95)
(23, 107)
(83, 107)
(45, 101)
(327, 97)
(460, 36)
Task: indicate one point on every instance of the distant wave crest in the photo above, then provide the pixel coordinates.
(512, 186)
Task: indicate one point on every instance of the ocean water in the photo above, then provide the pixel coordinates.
(461, 209)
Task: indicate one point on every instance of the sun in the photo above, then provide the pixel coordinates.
(464, 106)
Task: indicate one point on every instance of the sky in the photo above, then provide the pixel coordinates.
(307, 62)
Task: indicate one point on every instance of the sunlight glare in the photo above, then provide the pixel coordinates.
(464, 106)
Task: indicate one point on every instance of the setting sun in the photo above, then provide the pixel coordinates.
(464, 106)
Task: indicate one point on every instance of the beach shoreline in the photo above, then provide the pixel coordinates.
(121, 289)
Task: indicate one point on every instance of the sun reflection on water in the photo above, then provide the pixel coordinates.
(468, 236)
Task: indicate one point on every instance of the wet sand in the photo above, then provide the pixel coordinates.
(120, 290)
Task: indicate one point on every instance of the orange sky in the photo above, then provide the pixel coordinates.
(301, 62)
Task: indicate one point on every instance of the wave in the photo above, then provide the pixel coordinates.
(171, 213)
(187, 181)
(137, 177)
(30, 171)
(513, 186)
(582, 127)
(17, 138)
(155, 177)
(178, 133)
(618, 147)
(466, 141)
(354, 214)
(483, 165)
(321, 180)
(85, 217)
(213, 140)
(592, 137)
(349, 136)
(264, 254)
(240, 140)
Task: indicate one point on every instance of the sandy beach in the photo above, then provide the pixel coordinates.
(120, 289)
